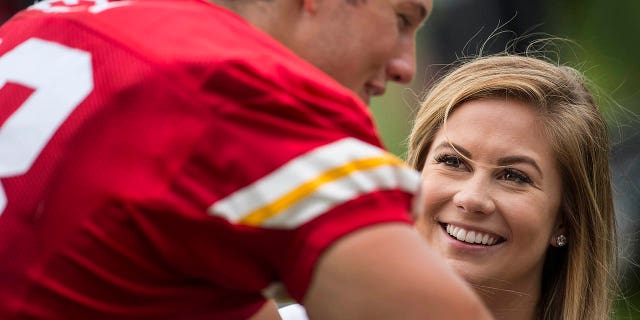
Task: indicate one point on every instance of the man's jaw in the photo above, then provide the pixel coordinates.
(372, 89)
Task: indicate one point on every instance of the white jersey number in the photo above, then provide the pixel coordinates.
(61, 78)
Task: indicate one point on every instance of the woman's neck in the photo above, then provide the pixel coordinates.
(510, 304)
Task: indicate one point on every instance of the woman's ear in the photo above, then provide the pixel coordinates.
(559, 234)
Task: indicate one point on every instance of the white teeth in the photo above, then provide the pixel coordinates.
(478, 238)
(470, 236)
(462, 234)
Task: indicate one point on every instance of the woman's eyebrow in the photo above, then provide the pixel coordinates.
(456, 147)
(504, 161)
(519, 159)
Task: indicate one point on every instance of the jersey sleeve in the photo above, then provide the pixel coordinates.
(327, 175)
(290, 165)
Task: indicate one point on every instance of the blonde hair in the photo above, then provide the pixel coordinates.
(578, 279)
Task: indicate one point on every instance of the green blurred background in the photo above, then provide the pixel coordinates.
(605, 38)
(607, 49)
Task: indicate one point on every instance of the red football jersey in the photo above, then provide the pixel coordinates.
(165, 159)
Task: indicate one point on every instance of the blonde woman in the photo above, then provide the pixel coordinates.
(516, 190)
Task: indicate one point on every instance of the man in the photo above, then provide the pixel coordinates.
(168, 159)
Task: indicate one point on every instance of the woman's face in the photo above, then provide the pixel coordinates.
(493, 224)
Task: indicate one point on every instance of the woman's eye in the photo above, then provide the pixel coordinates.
(450, 160)
(515, 176)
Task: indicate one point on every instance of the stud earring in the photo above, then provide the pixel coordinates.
(561, 240)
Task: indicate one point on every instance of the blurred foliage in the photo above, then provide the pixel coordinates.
(609, 34)
(606, 47)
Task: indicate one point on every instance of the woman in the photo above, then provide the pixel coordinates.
(516, 190)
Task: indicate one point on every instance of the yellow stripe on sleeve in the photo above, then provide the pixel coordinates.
(257, 217)
(315, 182)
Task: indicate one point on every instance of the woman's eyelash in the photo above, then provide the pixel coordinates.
(517, 176)
(449, 160)
(507, 174)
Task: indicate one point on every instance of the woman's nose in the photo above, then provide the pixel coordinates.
(474, 196)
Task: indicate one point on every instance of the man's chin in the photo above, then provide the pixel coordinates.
(365, 98)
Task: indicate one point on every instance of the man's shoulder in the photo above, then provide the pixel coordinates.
(167, 29)
(205, 48)
(178, 30)
(206, 39)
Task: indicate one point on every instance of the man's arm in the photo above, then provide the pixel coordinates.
(388, 272)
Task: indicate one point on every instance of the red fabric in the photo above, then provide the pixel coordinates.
(189, 104)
